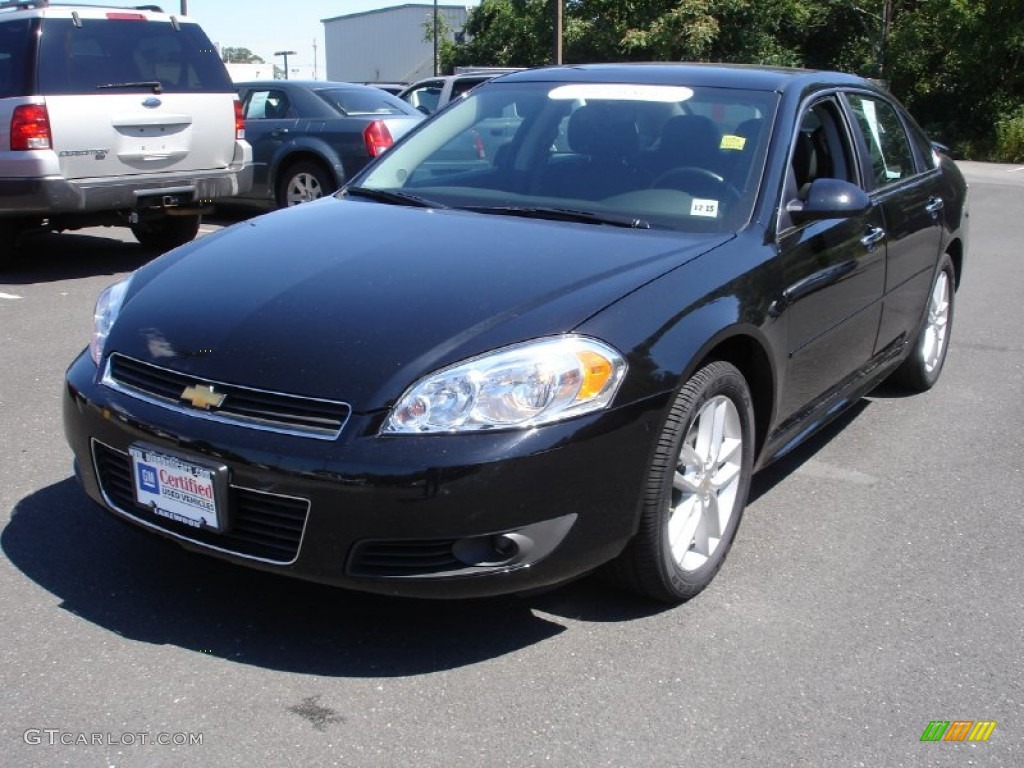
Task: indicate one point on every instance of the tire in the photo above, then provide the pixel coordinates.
(303, 182)
(167, 232)
(702, 464)
(921, 369)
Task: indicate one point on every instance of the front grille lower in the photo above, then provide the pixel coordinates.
(273, 411)
(263, 526)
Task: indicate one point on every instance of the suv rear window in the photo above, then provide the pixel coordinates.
(126, 55)
(15, 53)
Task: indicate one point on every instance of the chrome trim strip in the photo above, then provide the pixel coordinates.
(237, 421)
(175, 535)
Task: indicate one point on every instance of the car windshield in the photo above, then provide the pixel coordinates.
(659, 156)
(365, 101)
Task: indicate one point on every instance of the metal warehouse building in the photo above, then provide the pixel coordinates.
(389, 44)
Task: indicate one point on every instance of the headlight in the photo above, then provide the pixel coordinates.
(108, 305)
(519, 386)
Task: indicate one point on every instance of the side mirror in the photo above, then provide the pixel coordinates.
(829, 199)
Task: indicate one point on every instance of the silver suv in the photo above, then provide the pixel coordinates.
(111, 116)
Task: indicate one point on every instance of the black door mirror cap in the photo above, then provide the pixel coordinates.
(829, 199)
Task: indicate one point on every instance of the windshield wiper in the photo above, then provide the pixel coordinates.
(154, 84)
(562, 214)
(390, 196)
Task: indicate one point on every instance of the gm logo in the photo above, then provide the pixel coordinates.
(958, 730)
(148, 481)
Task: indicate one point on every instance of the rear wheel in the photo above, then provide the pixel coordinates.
(921, 369)
(696, 488)
(303, 182)
(167, 232)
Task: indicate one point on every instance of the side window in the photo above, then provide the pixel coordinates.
(925, 152)
(888, 146)
(266, 105)
(821, 149)
(464, 85)
(425, 98)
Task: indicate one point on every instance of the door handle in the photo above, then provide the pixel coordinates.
(872, 238)
(935, 205)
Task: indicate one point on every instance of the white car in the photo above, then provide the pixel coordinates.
(113, 116)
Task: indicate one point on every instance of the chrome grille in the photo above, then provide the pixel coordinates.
(245, 406)
(263, 526)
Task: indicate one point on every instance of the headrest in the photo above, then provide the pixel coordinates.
(598, 130)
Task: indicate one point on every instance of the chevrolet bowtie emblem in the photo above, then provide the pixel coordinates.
(202, 396)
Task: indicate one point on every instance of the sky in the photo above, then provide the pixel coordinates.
(266, 26)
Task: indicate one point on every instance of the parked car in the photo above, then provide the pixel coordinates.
(309, 137)
(448, 382)
(113, 116)
(433, 93)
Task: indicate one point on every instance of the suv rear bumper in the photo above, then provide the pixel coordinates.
(55, 195)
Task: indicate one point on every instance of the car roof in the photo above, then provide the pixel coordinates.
(752, 77)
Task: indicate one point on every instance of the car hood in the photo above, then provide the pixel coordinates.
(355, 300)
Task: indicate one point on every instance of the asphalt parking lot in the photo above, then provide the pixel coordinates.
(875, 586)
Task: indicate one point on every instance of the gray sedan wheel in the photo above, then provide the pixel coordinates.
(302, 183)
(696, 488)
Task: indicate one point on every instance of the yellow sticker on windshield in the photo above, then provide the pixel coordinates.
(733, 142)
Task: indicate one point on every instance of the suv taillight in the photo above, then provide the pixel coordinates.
(30, 128)
(239, 121)
(377, 138)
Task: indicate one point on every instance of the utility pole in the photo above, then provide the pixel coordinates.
(435, 38)
(557, 51)
(286, 54)
(314, 58)
(184, 7)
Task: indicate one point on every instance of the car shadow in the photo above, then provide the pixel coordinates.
(147, 589)
(52, 257)
(777, 471)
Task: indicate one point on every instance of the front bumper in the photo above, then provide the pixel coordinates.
(429, 516)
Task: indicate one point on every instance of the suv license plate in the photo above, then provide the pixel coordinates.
(179, 489)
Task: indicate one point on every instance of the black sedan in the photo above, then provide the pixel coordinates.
(309, 137)
(453, 379)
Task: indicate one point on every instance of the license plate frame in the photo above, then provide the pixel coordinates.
(180, 487)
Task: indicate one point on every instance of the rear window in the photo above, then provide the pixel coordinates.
(371, 101)
(125, 55)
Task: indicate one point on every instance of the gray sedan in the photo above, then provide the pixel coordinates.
(309, 137)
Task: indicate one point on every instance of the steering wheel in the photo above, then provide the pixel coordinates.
(698, 182)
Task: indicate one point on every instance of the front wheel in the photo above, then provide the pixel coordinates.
(302, 183)
(921, 369)
(167, 232)
(696, 488)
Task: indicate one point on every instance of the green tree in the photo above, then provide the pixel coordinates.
(958, 64)
(240, 56)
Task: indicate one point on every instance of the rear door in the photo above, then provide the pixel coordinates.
(909, 195)
(270, 121)
(130, 92)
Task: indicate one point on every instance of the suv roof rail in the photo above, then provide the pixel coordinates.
(21, 5)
